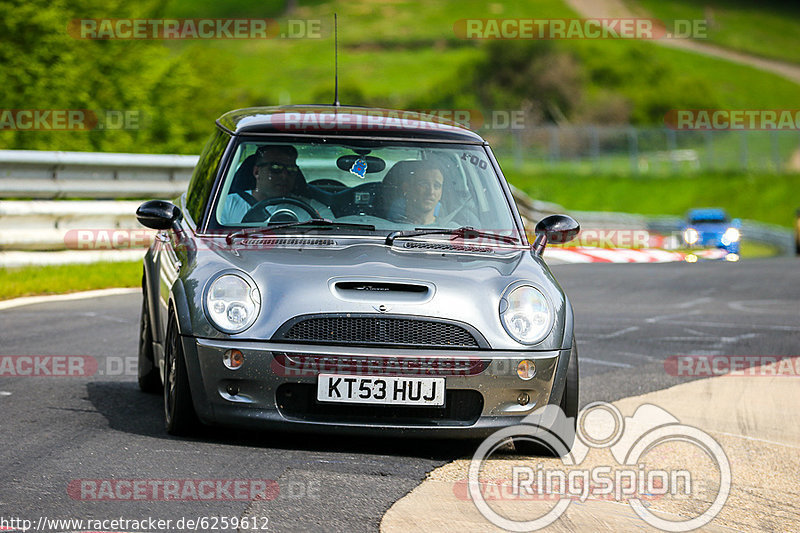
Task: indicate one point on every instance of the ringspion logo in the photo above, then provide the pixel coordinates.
(629, 478)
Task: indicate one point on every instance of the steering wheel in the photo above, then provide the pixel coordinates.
(259, 213)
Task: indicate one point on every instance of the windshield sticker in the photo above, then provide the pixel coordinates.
(359, 168)
(475, 160)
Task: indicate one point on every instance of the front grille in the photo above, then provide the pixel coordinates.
(374, 331)
(299, 400)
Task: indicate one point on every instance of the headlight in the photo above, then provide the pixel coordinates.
(731, 235)
(526, 314)
(690, 235)
(232, 304)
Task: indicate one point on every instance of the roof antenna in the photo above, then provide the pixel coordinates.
(336, 60)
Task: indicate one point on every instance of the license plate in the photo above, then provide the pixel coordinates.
(384, 390)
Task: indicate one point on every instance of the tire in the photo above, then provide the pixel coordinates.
(179, 415)
(148, 375)
(569, 405)
(570, 399)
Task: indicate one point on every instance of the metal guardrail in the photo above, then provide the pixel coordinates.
(30, 226)
(648, 151)
(45, 224)
(52, 175)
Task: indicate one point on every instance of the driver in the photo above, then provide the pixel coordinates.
(277, 176)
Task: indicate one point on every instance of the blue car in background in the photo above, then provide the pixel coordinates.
(711, 228)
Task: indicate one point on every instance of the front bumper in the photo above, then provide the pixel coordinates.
(275, 388)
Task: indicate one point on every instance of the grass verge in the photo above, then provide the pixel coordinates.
(30, 281)
(768, 29)
(768, 198)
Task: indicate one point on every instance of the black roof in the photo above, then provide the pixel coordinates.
(345, 121)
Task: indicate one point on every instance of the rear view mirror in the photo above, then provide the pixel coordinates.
(558, 229)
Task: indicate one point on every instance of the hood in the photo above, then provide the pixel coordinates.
(314, 275)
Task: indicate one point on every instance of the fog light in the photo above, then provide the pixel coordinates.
(732, 257)
(526, 369)
(233, 359)
(691, 258)
(523, 398)
(232, 389)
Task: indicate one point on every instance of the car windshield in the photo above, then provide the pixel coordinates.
(360, 185)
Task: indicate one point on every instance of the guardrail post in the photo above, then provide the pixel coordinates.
(633, 148)
(775, 150)
(709, 137)
(672, 145)
(745, 159)
(555, 148)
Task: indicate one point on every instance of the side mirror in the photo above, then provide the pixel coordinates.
(558, 229)
(159, 214)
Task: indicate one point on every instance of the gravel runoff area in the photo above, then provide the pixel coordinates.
(753, 418)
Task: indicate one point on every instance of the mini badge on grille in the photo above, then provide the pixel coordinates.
(382, 308)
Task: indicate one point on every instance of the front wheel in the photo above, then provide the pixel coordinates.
(179, 412)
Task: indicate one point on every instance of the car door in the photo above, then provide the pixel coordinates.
(169, 252)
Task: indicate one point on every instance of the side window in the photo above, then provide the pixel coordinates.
(203, 178)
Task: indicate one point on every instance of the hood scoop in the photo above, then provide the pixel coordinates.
(382, 291)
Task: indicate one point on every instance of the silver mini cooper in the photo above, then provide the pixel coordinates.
(352, 270)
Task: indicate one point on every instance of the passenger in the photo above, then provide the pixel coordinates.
(422, 189)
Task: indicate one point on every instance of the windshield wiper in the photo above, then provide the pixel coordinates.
(314, 222)
(465, 232)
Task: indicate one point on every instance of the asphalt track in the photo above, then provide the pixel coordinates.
(54, 430)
